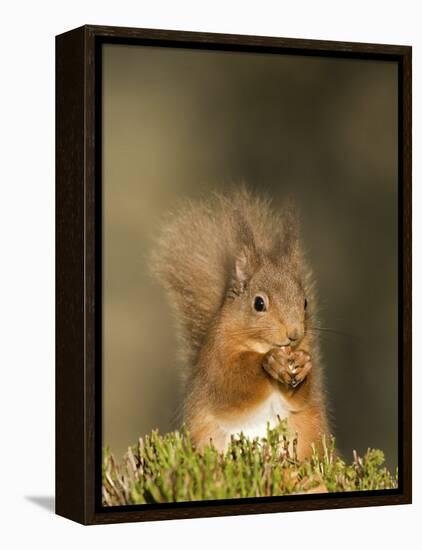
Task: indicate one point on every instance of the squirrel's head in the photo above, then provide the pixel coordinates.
(267, 301)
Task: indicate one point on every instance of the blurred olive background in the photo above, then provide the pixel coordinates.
(179, 123)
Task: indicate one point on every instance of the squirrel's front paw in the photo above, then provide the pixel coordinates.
(287, 366)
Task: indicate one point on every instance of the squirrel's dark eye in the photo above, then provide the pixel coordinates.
(306, 304)
(259, 304)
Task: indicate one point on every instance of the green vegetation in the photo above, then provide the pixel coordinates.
(167, 468)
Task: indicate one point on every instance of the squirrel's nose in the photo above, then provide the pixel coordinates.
(293, 333)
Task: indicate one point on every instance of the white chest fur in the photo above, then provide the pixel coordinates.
(254, 423)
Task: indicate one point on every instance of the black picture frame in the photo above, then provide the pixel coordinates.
(78, 270)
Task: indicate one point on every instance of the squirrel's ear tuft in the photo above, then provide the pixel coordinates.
(287, 241)
(291, 238)
(243, 268)
(245, 261)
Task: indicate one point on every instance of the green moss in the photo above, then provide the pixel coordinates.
(167, 468)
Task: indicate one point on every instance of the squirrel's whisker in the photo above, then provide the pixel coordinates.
(324, 330)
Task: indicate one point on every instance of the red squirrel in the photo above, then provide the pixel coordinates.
(244, 302)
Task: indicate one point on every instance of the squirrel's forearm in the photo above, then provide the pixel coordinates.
(298, 398)
(240, 382)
